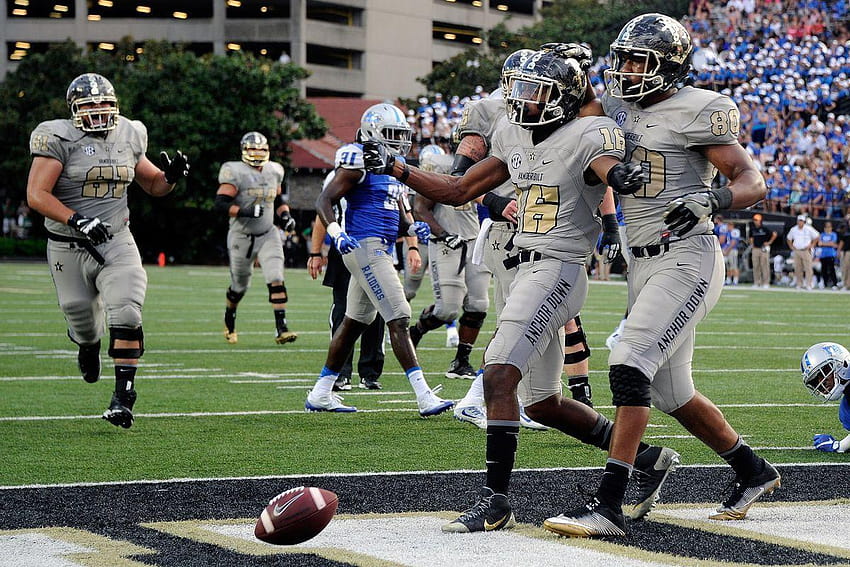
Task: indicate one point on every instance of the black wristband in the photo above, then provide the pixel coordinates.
(610, 224)
(315, 254)
(72, 220)
(405, 173)
(409, 248)
(723, 196)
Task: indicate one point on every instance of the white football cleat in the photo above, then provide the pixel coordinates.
(476, 415)
(452, 338)
(330, 402)
(429, 404)
(529, 423)
(614, 337)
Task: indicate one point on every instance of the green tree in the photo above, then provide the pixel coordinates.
(199, 105)
(588, 21)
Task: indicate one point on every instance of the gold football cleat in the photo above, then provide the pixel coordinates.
(285, 337)
(231, 338)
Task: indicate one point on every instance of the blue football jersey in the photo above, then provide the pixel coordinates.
(372, 209)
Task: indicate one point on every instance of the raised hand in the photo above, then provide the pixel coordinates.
(175, 168)
(377, 159)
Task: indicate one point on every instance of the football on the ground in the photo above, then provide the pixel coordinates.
(296, 515)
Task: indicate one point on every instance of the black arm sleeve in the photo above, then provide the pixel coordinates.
(460, 164)
(222, 203)
(279, 201)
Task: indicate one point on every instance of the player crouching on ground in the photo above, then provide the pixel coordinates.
(78, 180)
(825, 374)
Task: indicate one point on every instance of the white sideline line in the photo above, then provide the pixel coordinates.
(301, 411)
(335, 475)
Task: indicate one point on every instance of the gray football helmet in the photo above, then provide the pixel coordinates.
(663, 42)
(547, 89)
(824, 367)
(92, 89)
(387, 125)
(255, 149)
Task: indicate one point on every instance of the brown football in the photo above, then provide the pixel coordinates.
(296, 515)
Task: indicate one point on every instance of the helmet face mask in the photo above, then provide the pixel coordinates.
(387, 125)
(657, 43)
(93, 104)
(547, 89)
(825, 370)
(255, 149)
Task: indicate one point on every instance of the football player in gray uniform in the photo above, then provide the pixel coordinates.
(250, 194)
(557, 161)
(681, 136)
(78, 180)
(457, 282)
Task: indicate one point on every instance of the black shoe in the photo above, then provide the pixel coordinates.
(745, 491)
(461, 369)
(652, 467)
(581, 393)
(415, 335)
(342, 383)
(370, 383)
(594, 519)
(120, 412)
(88, 360)
(491, 512)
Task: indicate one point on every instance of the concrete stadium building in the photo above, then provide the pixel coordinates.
(353, 48)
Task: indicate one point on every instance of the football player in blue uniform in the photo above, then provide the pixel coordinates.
(376, 209)
(825, 374)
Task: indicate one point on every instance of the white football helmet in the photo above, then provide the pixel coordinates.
(255, 149)
(386, 124)
(429, 157)
(824, 368)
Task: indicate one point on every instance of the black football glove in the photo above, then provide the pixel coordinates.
(683, 214)
(610, 243)
(94, 229)
(377, 159)
(286, 221)
(576, 51)
(252, 212)
(626, 178)
(175, 168)
(452, 241)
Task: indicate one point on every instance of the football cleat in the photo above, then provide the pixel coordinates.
(594, 519)
(88, 361)
(614, 337)
(120, 412)
(746, 491)
(342, 383)
(476, 415)
(452, 338)
(651, 469)
(370, 383)
(429, 404)
(492, 512)
(285, 336)
(529, 423)
(461, 369)
(230, 337)
(330, 402)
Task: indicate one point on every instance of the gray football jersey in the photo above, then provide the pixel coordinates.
(255, 187)
(664, 139)
(96, 169)
(557, 208)
(461, 220)
(483, 118)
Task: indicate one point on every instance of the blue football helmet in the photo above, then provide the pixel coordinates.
(824, 367)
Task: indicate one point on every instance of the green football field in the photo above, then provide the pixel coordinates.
(207, 409)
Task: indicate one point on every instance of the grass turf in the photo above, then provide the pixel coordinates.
(209, 409)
